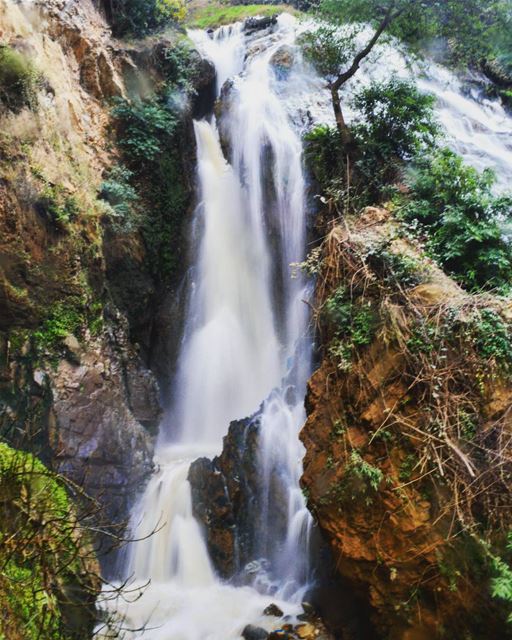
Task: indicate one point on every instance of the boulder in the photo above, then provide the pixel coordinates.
(273, 610)
(252, 632)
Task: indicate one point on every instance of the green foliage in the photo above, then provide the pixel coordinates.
(167, 192)
(39, 549)
(143, 125)
(122, 199)
(141, 17)
(482, 334)
(18, 80)
(62, 320)
(329, 47)
(325, 160)
(360, 481)
(59, 205)
(468, 31)
(394, 123)
(452, 206)
(407, 467)
(501, 583)
(153, 193)
(216, 14)
(372, 476)
(69, 317)
(353, 326)
(492, 338)
(394, 269)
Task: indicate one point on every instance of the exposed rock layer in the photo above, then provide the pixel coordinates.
(389, 508)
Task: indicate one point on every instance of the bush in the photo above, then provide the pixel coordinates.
(501, 581)
(352, 324)
(18, 80)
(44, 555)
(58, 205)
(453, 207)
(146, 132)
(142, 127)
(394, 123)
(325, 160)
(122, 199)
(141, 17)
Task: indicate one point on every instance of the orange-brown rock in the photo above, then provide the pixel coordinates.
(371, 475)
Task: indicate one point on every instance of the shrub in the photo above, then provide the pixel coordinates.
(43, 553)
(141, 17)
(59, 205)
(501, 582)
(325, 160)
(453, 207)
(18, 80)
(122, 198)
(142, 127)
(147, 134)
(353, 325)
(394, 123)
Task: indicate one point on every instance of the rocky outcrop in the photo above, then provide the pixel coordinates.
(397, 483)
(105, 406)
(225, 495)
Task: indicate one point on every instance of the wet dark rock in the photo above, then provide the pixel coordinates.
(251, 632)
(280, 634)
(225, 497)
(252, 25)
(273, 610)
(308, 614)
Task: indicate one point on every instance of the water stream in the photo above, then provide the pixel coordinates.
(246, 346)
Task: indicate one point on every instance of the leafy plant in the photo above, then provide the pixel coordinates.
(371, 475)
(453, 208)
(59, 205)
(394, 123)
(18, 80)
(143, 125)
(501, 583)
(492, 337)
(140, 17)
(353, 326)
(122, 198)
(43, 553)
(393, 268)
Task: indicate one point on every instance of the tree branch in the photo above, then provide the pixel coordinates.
(386, 21)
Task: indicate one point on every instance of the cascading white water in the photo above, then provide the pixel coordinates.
(246, 339)
(238, 348)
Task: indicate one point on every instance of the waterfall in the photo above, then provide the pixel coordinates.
(246, 347)
(245, 350)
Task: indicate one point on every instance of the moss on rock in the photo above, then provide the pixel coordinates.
(45, 559)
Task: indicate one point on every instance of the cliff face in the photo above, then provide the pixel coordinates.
(408, 416)
(75, 291)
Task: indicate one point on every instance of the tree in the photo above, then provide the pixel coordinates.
(337, 45)
(140, 17)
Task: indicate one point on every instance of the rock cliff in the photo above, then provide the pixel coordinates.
(77, 294)
(408, 414)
